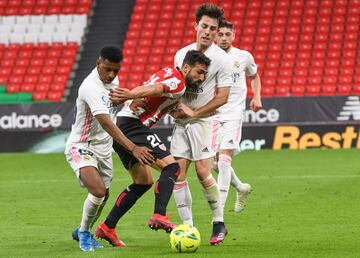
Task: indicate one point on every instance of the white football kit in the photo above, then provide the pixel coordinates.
(230, 115)
(195, 139)
(89, 144)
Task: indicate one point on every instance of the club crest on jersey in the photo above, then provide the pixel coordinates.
(172, 83)
(236, 63)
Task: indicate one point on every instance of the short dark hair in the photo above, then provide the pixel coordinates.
(194, 57)
(111, 53)
(226, 24)
(211, 10)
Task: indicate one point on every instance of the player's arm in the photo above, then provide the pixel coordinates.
(119, 95)
(255, 103)
(220, 99)
(141, 153)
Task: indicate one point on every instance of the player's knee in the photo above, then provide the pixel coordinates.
(171, 171)
(99, 192)
(95, 199)
(139, 189)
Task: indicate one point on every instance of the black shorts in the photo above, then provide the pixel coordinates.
(141, 135)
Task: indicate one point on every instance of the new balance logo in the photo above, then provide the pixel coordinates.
(205, 149)
(351, 109)
(231, 141)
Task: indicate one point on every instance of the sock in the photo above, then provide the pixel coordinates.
(183, 199)
(124, 202)
(90, 209)
(235, 181)
(99, 211)
(164, 187)
(212, 195)
(224, 177)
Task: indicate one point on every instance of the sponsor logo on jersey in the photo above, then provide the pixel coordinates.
(351, 109)
(236, 63)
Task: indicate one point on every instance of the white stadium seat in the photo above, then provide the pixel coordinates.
(51, 19)
(80, 19)
(33, 28)
(45, 37)
(25, 19)
(59, 37)
(19, 28)
(62, 27)
(31, 38)
(65, 18)
(37, 19)
(48, 28)
(16, 38)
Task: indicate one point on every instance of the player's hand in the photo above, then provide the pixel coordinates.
(143, 155)
(184, 111)
(119, 95)
(255, 104)
(139, 103)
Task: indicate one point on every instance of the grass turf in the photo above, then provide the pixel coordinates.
(303, 204)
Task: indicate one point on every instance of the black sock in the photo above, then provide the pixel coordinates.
(164, 187)
(124, 202)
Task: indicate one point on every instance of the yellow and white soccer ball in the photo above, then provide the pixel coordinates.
(185, 239)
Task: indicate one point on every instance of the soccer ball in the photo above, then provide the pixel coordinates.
(185, 239)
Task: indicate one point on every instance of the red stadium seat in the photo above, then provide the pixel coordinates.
(282, 91)
(313, 90)
(328, 90)
(344, 89)
(297, 90)
(267, 91)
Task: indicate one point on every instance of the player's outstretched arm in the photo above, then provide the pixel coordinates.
(141, 153)
(255, 103)
(119, 95)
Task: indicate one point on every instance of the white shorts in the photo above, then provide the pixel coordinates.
(229, 136)
(194, 140)
(80, 156)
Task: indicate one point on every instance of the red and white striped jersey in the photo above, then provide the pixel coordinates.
(93, 99)
(174, 87)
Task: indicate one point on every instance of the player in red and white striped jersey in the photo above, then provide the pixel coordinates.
(160, 94)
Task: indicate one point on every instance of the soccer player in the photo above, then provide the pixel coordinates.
(160, 94)
(231, 115)
(89, 146)
(194, 135)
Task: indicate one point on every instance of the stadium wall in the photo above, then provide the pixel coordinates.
(283, 123)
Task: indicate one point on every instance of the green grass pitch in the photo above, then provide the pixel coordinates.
(304, 204)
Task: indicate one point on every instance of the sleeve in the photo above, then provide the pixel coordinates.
(224, 76)
(174, 87)
(95, 99)
(251, 67)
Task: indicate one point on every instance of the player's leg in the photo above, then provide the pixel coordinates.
(224, 176)
(85, 165)
(181, 150)
(142, 181)
(91, 179)
(182, 194)
(163, 189)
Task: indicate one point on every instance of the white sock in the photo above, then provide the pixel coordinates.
(224, 177)
(235, 181)
(183, 199)
(212, 195)
(90, 211)
(98, 213)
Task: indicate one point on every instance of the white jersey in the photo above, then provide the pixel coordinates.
(242, 64)
(219, 75)
(93, 99)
